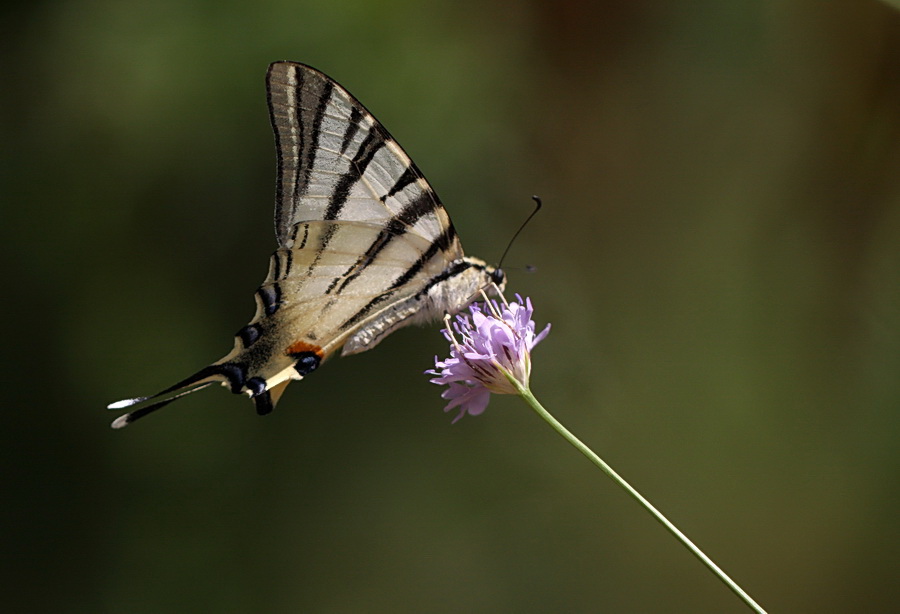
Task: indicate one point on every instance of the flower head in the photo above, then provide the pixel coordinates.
(494, 347)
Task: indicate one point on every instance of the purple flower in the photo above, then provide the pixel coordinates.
(494, 345)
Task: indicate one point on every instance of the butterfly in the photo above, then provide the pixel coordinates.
(364, 247)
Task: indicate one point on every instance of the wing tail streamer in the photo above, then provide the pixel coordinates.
(141, 406)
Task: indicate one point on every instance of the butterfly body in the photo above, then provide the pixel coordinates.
(365, 247)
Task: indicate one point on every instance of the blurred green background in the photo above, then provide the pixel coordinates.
(719, 255)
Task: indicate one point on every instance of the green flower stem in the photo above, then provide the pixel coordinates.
(526, 394)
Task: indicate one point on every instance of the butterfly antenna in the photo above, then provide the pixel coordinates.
(537, 207)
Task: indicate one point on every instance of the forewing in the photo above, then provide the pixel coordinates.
(337, 162)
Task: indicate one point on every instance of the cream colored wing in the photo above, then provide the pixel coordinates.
(365, 247)
(337, 162)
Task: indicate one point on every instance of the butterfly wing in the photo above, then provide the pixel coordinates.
(337, 162)
(365, 246)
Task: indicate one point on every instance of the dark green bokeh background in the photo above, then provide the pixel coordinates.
(719, 256)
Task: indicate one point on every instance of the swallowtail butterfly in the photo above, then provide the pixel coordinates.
(364, 247)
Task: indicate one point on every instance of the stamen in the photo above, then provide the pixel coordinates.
(450, 332)
(500, 294)
(492, 305)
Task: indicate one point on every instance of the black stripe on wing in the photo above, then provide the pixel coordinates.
(367, 150)
(279, 172)
(409, 175)
(352, 128)
(321, 105)
(398, 225)
(441, 244)
(293, 94)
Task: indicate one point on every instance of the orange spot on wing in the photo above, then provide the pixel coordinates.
(303, 346)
